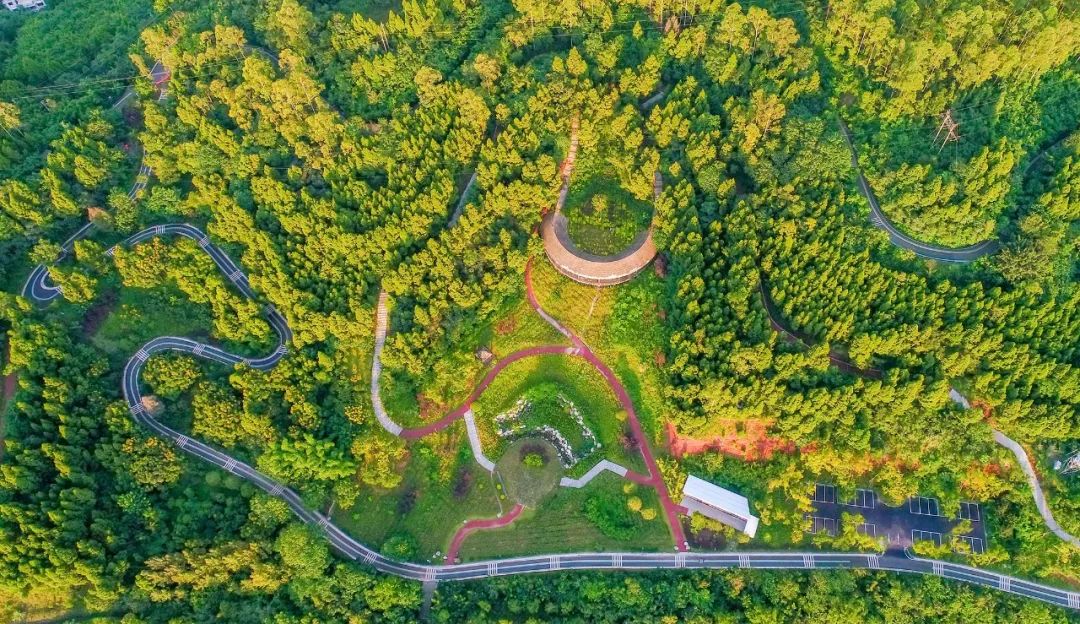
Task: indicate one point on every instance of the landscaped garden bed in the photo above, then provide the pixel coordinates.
(546, 412)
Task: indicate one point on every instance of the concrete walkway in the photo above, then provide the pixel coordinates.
(532, 564)
(474, 442)
(461, 202)
(1029, 471)
(382, 322)
(1036, 489)
(593, 472)
(655, 479)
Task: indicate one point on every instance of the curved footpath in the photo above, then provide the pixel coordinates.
(900, 239)
(654, 479)
(39, 290)
(578, 264)
(1021, 455)
(632, 561)
(1036, 489)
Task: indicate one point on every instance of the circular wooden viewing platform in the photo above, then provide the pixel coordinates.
(582, 266)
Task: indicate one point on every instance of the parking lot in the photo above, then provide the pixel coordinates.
(920, 518)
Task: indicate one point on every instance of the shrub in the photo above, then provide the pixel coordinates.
(611, 516)
(533, 460)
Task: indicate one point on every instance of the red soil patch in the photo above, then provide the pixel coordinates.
(987, 410)
(506, 326)
(751, 444)
(429, 408)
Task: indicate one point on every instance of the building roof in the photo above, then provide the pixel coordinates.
(735, 509)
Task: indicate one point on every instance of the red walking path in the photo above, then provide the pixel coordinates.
(478, 525)
(655, 479)
(442, 423)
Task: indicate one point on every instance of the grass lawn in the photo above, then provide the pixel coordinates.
(561, 524)
(622, 325)
(442, 488)
(603, 218)
(142, 314)
(578, 382)
(529, 470)
(454, 374)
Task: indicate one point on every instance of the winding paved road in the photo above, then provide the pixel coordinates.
(1021, 455)
(39, 286)
(631, 561)
(38, 289)
(900, 239)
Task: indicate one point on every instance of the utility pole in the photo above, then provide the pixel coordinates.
(1071, 465)
(949, 127)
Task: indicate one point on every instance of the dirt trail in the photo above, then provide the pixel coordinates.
(752, 444)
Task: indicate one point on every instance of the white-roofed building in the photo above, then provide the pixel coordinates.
(33, 5)
(713, 501)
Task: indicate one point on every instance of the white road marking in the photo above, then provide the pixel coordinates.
(873, 562)
(808, 561)
(1004, 583)
(744, 561)
(492, 568)
(939, 568)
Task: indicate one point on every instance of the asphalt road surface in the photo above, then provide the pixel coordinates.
(347, 546)
(39, 286)
(900, 239)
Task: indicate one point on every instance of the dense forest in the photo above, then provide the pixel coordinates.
(328, 147)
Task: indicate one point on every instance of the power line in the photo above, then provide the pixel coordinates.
(44, 92)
